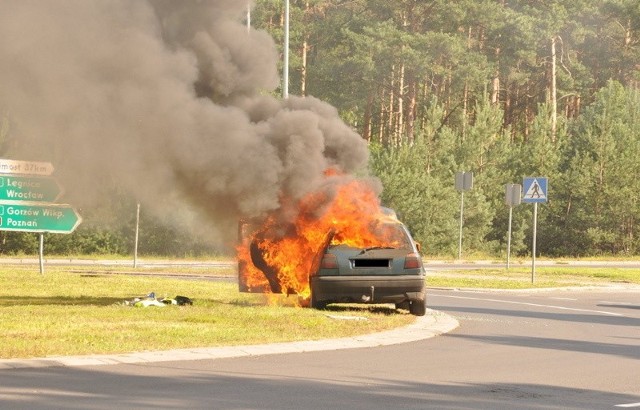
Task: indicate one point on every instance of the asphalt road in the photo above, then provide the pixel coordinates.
(513, 350)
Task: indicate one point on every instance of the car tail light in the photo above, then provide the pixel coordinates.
(412, 261)
(329, 261)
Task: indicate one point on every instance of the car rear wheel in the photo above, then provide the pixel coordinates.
(317, 304)
(418, 307)
(406, 305)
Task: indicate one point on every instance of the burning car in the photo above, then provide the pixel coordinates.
(388, 273)
(348, 254)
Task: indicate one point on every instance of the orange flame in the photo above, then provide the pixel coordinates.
(350, 213)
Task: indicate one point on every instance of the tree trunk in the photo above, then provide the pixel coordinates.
(382, 134)
(411, 110)
(400, 116)
(366, 126)
(508, 110)
(554, 93)
(495, 84)
(391, 111)
(465, 92)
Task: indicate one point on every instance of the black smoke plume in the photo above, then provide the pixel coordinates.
(169, 100)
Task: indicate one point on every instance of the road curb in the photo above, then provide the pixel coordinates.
(434, 323)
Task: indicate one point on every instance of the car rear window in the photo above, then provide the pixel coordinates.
(392, 235)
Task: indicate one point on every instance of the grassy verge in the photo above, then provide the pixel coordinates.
(83, 312)
(546, 277)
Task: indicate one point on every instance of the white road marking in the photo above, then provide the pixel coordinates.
(564, 298)
(629, 405)
(604, 312)
(608, 302)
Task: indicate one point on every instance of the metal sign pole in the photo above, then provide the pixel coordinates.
(535, 231)
(248, 17)
(285, 68)
(41, 253)
(535, 190)
(460, 237)
(509, 237)
(135, 245)
(513, 198)
(463, 182)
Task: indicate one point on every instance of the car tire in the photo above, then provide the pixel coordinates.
(317, 304)
(406, 305)
(418, 307)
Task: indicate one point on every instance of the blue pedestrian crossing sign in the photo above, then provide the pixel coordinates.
(535, 189)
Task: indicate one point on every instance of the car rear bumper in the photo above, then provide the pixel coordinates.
(368, 289)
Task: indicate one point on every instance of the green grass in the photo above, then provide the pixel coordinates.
(545, 277)
(73, 313)
(80, 310)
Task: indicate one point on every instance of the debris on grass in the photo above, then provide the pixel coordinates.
(151, 300)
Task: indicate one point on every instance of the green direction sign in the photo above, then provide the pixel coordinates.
(29, 188)
(39, 218)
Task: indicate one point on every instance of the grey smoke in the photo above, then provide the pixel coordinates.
(166, 99)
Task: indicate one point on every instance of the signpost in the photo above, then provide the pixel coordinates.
(463, 182)
(513, 198)
(535, 192)
(27, 196)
